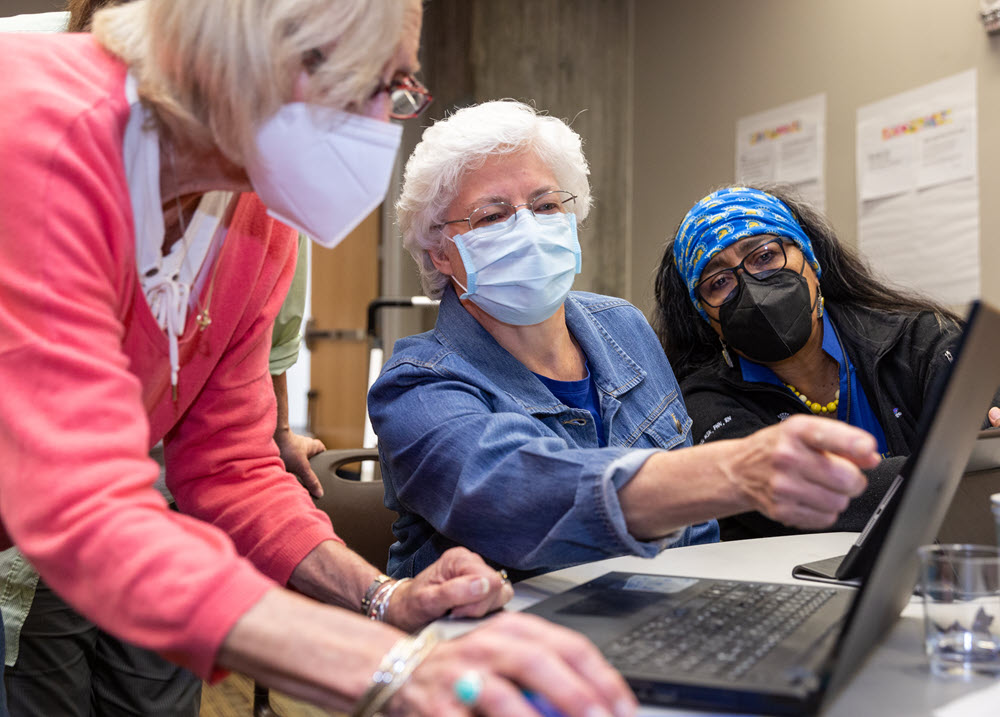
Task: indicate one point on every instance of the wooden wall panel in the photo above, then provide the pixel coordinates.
(344, 280)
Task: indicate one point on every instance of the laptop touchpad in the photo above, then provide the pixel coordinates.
(618, 603)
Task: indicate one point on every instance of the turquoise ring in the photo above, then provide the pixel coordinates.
(468, 687)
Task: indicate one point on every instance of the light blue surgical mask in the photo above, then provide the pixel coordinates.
(521, 270)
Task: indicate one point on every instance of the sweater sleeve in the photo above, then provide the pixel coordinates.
(222, 463)
(76, 492)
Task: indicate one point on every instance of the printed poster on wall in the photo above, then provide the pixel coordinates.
(918, 188)
(785, 144)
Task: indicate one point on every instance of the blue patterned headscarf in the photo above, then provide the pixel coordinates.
(723, 218)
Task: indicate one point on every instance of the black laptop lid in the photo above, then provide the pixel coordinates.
(918, 509)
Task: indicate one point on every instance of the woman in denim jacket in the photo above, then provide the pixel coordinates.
(534, 425)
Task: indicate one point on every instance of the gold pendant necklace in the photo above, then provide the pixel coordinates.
(203, 319)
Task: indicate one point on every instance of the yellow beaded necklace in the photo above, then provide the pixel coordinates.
(817, 408)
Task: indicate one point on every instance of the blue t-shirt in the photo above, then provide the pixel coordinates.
(579, 394)
(853, 407)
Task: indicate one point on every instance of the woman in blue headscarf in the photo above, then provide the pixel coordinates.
(764, 314)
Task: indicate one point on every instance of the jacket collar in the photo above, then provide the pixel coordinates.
(878, 329)
(612, 369)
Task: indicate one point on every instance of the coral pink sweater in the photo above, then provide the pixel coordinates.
(85, 379)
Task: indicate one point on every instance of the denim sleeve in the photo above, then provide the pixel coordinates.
(500, 483)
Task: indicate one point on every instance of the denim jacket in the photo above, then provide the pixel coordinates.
(477, 452)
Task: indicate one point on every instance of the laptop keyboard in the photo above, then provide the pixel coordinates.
(722, 632)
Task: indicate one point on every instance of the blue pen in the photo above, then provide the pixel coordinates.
(542, 705)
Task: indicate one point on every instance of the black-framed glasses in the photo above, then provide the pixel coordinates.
(762, 261)
(407, 95)
(557, 201)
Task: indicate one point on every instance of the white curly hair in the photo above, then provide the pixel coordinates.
(461, 143)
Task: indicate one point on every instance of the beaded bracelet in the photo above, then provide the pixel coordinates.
(381, 601)
(394, 670)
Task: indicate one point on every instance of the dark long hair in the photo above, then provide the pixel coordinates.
(847, 280)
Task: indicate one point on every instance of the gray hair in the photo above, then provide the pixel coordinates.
(462, 143)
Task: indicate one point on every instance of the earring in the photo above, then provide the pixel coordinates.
(725, 353)
(822, 302)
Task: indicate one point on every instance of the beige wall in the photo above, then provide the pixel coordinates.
(701, 64)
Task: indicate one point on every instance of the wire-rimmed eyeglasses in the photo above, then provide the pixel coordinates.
(763, 260)
(557, 201)
(407, 96)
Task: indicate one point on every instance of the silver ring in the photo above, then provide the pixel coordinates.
(503, 576)
(469, 687)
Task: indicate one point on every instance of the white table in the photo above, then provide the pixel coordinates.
(895, 679)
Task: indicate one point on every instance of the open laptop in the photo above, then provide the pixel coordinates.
(986, 452)
(658, 617)
(968, 519)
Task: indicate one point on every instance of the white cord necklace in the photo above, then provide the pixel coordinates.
(169, 297)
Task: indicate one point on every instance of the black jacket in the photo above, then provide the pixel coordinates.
(899, 361)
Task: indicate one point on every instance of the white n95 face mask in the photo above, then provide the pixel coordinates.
(521, 271)
(322, 170)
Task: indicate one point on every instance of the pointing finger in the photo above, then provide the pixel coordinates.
(822, 434)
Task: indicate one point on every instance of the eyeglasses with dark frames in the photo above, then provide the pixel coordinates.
(557, 201)
(763, 260)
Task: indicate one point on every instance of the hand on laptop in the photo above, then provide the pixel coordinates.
(459, 582)
(804, 471)
(510, 653)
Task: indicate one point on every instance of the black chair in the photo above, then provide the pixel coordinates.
(358, 514)
(356, 508)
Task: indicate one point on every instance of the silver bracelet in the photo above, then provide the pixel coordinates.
(381, 603)
(376, 598)
(394, 670)
(377, 584)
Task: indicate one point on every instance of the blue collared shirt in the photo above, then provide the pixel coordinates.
(853, 407)
(579, 394)
(476, 451)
